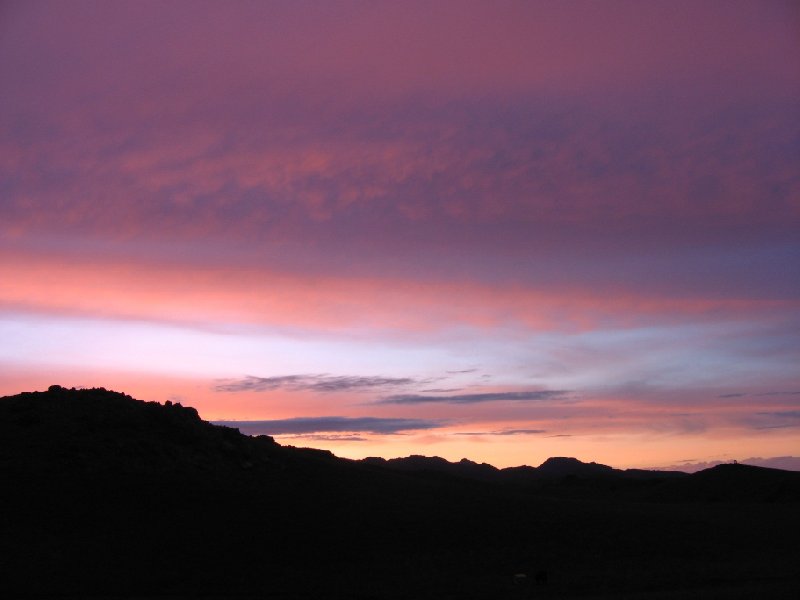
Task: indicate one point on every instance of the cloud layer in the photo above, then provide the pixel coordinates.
(314, 425)
(594, 197)
(521, 396)
(312, 383)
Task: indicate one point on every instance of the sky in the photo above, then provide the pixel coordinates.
(494, 230)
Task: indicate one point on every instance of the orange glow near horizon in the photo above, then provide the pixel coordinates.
(638, 441)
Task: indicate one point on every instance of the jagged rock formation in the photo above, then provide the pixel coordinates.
(96, 430)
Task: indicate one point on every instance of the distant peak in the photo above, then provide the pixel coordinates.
(567, 465)
(735, 466)
(562, 460)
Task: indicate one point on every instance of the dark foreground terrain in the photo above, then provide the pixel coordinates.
(104, 496)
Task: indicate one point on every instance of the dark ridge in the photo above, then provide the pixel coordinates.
(652, 474)
(733, 483)
(434, 465)
(105, 496)
(556, 468)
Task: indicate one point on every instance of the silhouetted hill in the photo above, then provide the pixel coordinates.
(107, 496)
(563, 466)
(96, 430)
(733, 483)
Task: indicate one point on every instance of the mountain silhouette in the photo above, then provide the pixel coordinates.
(553, 469)
(435, 465)
(107, 496)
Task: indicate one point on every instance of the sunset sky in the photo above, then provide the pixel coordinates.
(495, 230)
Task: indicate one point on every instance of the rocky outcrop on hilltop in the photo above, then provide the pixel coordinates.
(96, 430)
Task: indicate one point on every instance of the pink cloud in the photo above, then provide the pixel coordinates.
(191, 293)
(414, 171)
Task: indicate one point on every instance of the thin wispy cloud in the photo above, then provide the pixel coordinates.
(503, 432)
(782, 414)
(311, 382)
(769, 419)
(319, 425)
(524, 396)
(330, 437)
(759, 395)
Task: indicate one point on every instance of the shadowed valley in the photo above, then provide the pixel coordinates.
(104, 495)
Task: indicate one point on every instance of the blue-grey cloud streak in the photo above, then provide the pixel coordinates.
(310, 382)
(524, 396)
(310, 425)
(503, 432)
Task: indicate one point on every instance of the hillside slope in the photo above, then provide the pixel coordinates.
(105, 495)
